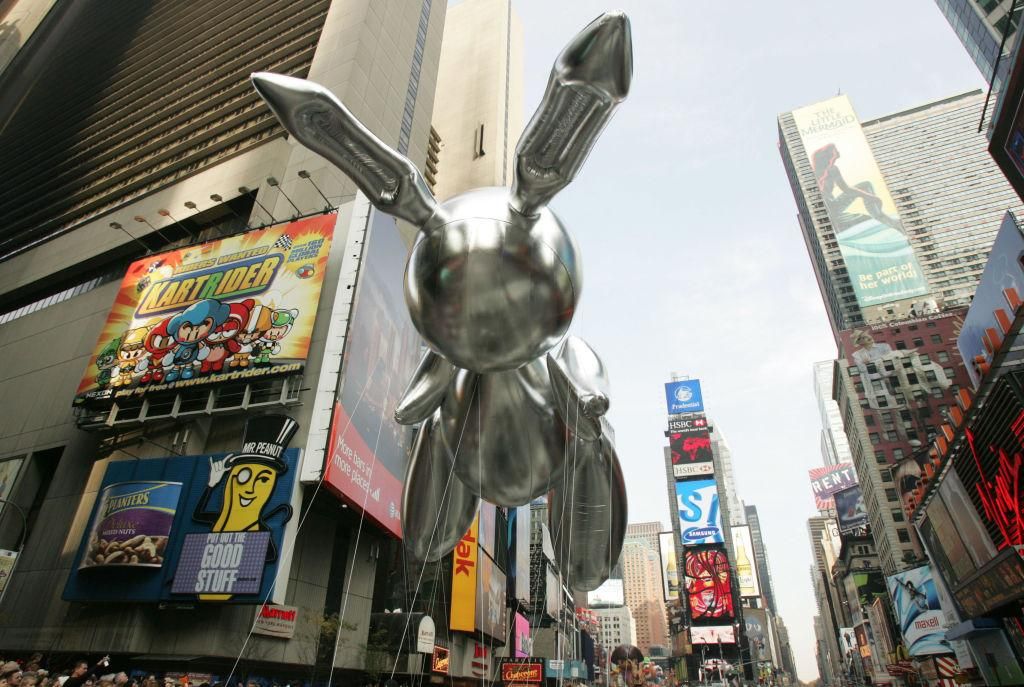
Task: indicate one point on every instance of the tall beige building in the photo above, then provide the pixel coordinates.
(641, 572)
(478, 108)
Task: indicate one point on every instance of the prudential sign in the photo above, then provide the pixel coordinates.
(684, 397)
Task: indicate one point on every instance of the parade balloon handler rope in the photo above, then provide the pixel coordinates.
(295, 540)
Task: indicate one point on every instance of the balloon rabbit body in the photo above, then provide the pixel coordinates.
(491, 284)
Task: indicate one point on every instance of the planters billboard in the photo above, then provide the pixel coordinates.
(684, 397)
(368, 451)
(918, 612)
(192, 528)
(872, 240)
(700, 519)
(232, 309)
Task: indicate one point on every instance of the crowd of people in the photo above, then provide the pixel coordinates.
(34, 673)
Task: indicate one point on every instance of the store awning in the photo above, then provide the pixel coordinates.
(969, 628)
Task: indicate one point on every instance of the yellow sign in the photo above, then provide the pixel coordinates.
(464, 571)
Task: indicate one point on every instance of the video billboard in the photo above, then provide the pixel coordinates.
(226, 537)
(746, 565)
(688, 424)
(684, 397)
(237, 308)
(918, 611)
(872, 240)
(700, 518)
(850, 510)
(610, 593)
(829, 479)
(669, 566)
(708, 585)
(714, 634)
(756, 621)
(1004, 270)
(368, 451)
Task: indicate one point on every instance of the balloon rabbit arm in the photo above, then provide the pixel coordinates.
(589, 79)
(318, 120)
(426, 390)
(579, 383)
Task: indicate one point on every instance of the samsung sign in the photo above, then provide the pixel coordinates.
(684, 397)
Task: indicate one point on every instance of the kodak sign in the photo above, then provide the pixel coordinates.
(464, 565)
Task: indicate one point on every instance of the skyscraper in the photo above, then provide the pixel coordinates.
(985, 27)
(732, 510)
(641, 569)
(478, 111)
(764, 572)
(835, 447)
(907, 202)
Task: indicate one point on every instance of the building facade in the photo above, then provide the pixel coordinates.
(617, 627)
(835, 447)
(987, 29)
(641, 570)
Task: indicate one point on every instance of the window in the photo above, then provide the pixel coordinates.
(936, 338)
(869, 420)
(943, 356)
(897, 516)
(880, 458)
(930, 376)
(897, 454)
(949, 372)
(912, 377)
(930, 325)
(903, 535)
(918, 341)
(891, 436)
(891, 495)
(901, 345)
(886, 475)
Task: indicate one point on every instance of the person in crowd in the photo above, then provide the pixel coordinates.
(29, 678)
(11, 671)
(82, 676)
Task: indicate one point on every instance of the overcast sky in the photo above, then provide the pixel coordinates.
(692, 257)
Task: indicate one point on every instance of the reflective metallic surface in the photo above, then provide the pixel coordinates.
(437, 508)
(501, 431)
(492, 284)
(426, 389)
(588, 515)
(590, 78)
(580, 386)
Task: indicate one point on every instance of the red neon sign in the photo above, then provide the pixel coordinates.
(1001, 496)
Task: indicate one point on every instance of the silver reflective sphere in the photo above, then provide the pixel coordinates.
(491, 289)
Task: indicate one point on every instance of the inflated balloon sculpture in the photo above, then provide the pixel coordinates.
(509, 404)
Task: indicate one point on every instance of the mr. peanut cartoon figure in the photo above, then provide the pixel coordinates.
(246, 482)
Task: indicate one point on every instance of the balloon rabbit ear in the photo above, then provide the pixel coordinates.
(588, 81)
(319, 121)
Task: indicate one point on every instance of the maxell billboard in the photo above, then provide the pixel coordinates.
(874, 245)
(827, 480)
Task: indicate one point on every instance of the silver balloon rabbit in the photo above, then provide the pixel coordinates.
(492, 284)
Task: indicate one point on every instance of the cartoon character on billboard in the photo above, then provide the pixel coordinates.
(106, 362)
(131, 357)
(246, 482)
(181, 339)
(839, 195)
(248, 338)
(222, 341)
(281, 322)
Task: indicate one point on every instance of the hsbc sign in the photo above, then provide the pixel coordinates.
(695, 423)
(693, 470)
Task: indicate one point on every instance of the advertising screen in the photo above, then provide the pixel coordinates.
(234, 309)
(669, 566)
(850, 510)
(610, 593)
(746, 567)
(465, 565)
(713, 634)
(227, 533)
(688, 424)
(872, 240)
(756, 621)
(690, 447)
(9, 470)
(368, 451)
(700, 519)
(131, 524)
(1004, 270)
(684, 397)
(708, 585)
(918, 612)
(519, 553)
(829, 479)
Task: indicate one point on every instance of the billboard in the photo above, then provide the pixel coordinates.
(746, 566)
(690, 447)
(368, 451)
(234, 309)
(131, 524)
(1004, 270)
(700, 518)
(708, 585)
(850, 510)
(464, 584)
(227, 534)
(874, 245)
(610, 593)
(491, 616)
(669, 566)
(829, 479)
(714, 634)
(918, 612)
(756, 621)
(684, 397)
(690, 423)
